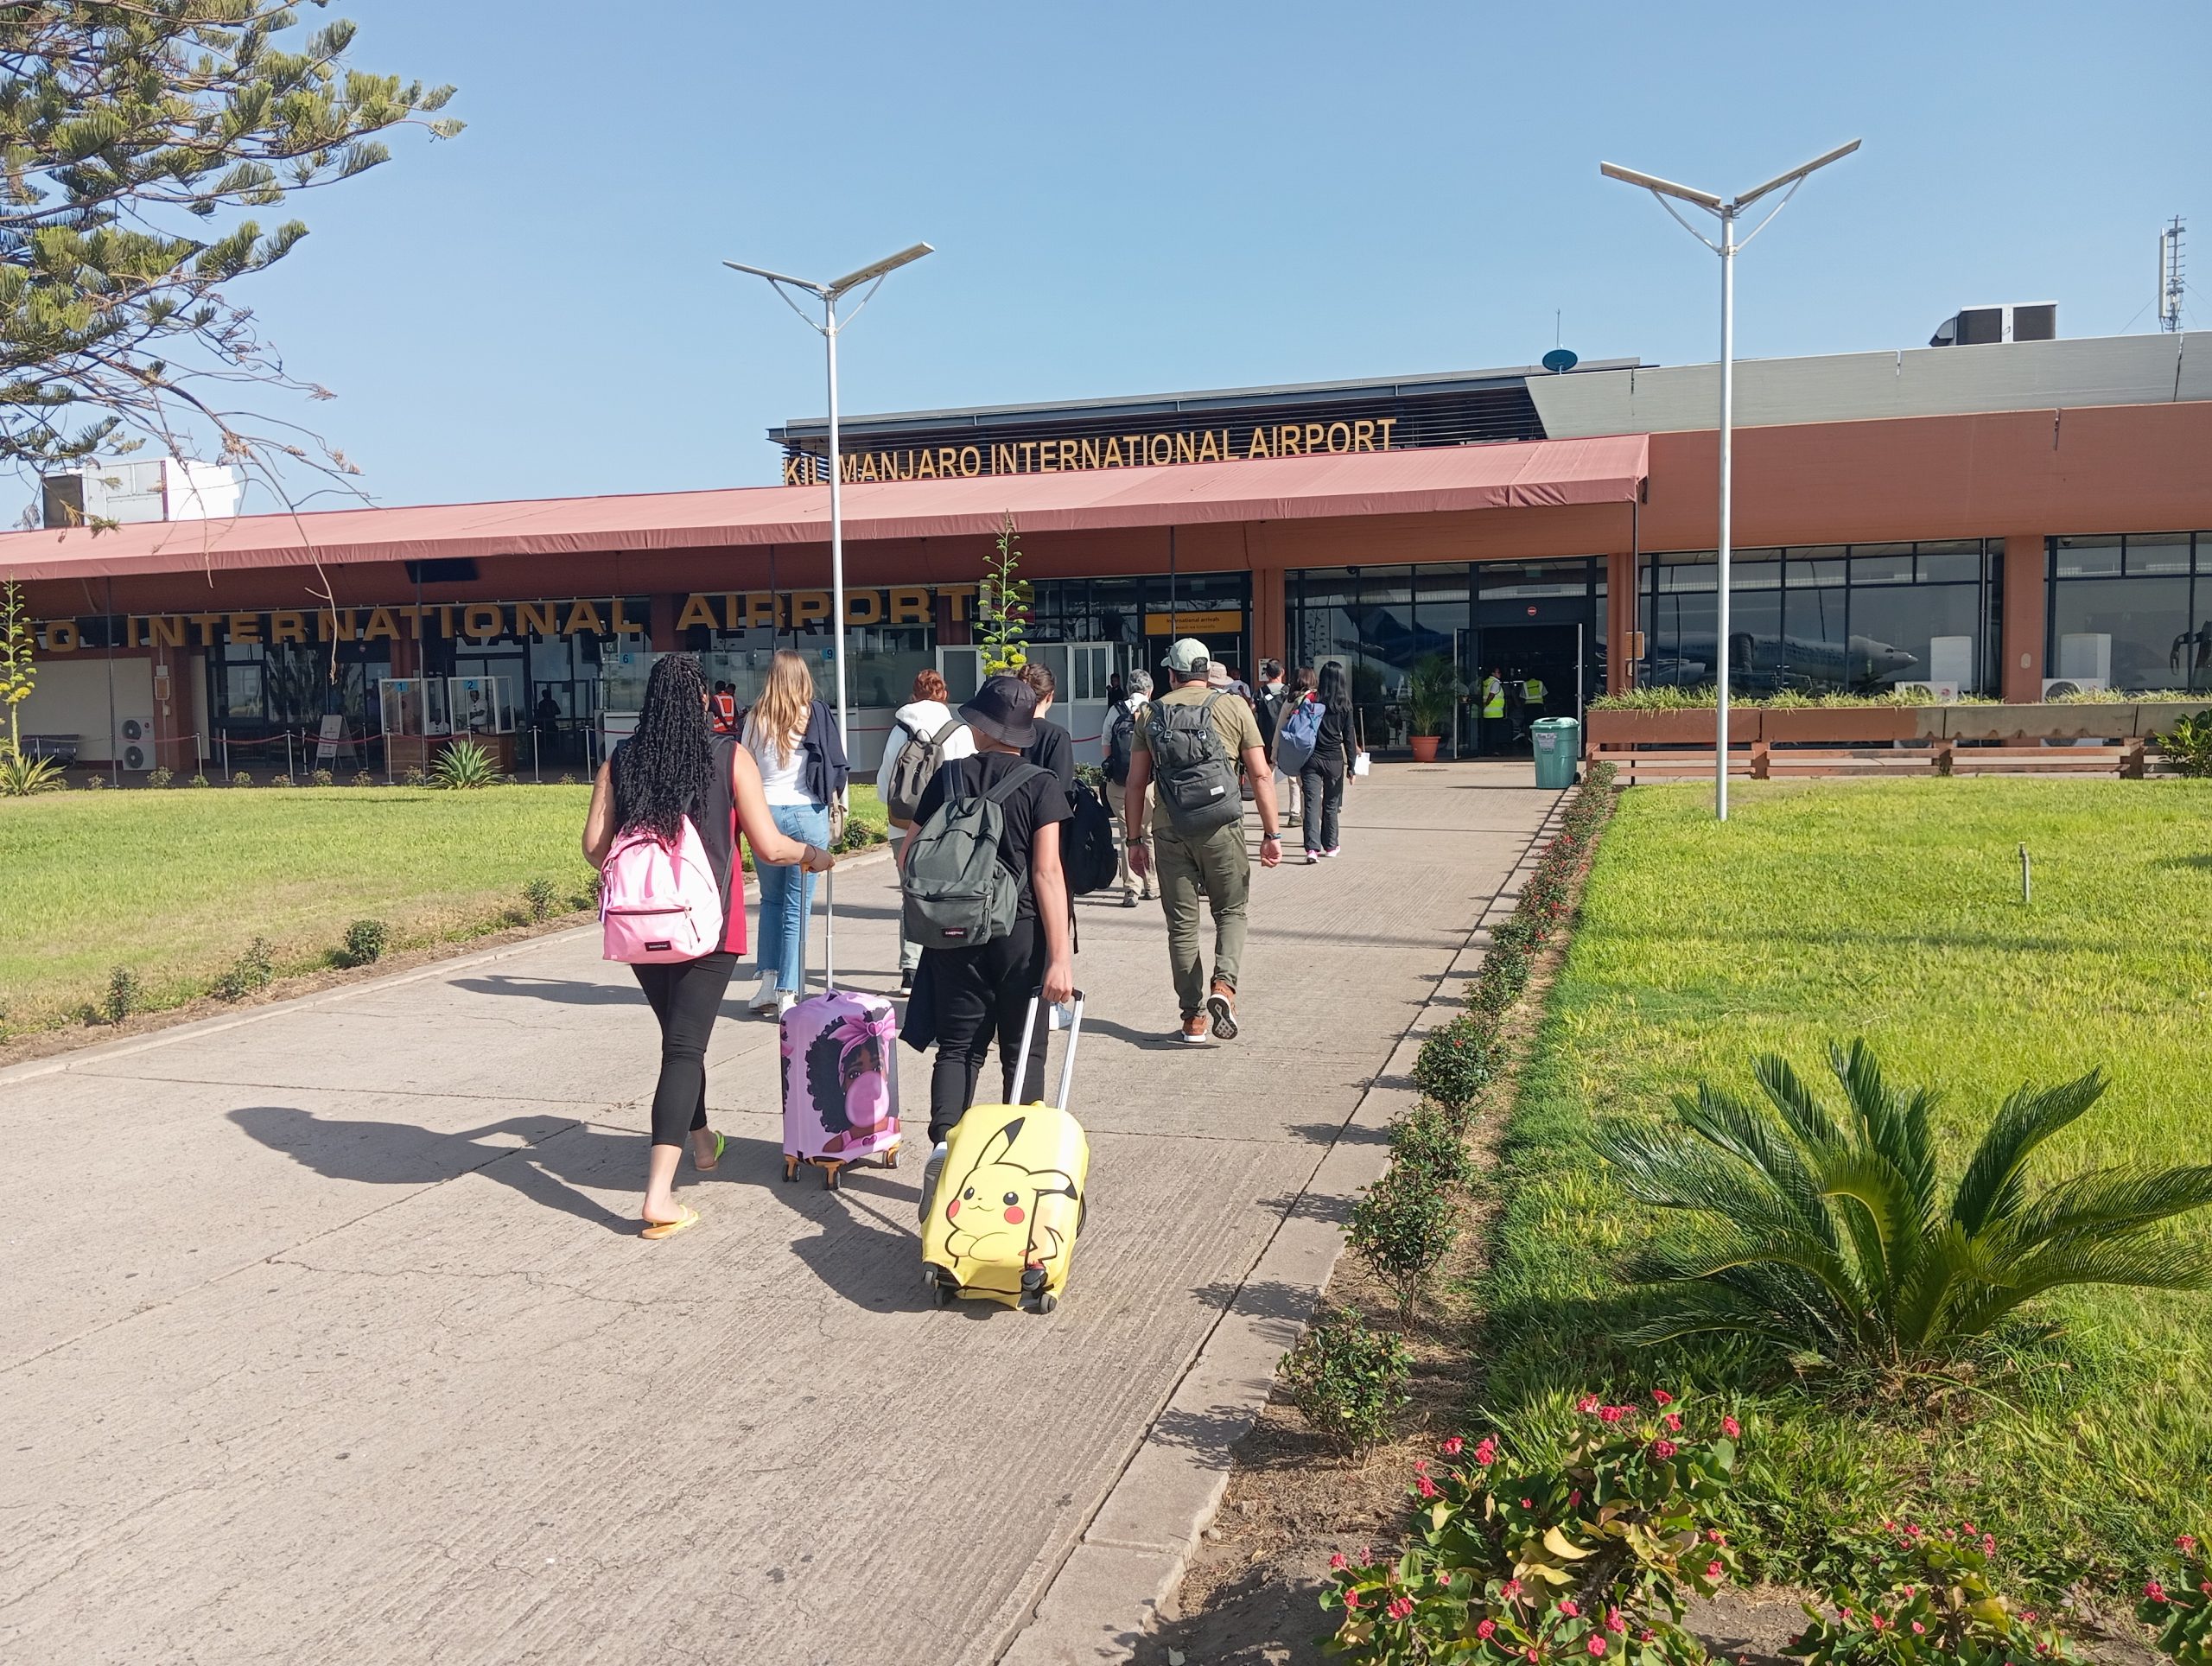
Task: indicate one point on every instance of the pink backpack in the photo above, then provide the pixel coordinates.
(656, 903)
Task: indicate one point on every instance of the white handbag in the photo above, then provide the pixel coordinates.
(1361, 763)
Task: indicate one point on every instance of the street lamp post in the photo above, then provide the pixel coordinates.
(829, 294)
(1726, 212)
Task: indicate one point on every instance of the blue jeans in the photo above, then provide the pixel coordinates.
(787, 894)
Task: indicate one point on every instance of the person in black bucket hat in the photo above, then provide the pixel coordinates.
(966, 994)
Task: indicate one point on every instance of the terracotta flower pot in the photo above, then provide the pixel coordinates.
(1425, 747)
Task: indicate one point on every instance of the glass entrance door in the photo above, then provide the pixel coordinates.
(1540, 667)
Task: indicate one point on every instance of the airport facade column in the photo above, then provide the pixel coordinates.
(2024, 618)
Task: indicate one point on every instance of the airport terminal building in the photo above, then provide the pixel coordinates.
(1980, 517)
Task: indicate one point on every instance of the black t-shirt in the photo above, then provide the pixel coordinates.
(1332, 740)
(1053, 750)
(1039, 802)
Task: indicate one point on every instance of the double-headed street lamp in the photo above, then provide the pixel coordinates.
(829, 294)
(1725, 212)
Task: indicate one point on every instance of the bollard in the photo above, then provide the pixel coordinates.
(2027, 889)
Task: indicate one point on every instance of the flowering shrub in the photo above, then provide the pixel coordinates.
(1457, 1061)
(1593, 1560)
(2180, 1606)
(1405, 1224)
(1912, 1595)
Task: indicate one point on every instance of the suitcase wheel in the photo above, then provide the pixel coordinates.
(830, 1176)
(791, 1168)
(942, 1288)
(1043, 1302)
(891, 1157)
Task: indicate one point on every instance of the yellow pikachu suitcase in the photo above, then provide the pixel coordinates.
(1010, 1197)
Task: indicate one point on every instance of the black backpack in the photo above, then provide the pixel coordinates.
(1088, 854)
(1120, 743)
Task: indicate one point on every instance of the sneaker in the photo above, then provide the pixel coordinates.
(784, 1002)
(1129, 899)
(765, 996)
(1334, 850)
(930, 1170)
(1195, 1029)
(1221, 1007)
(1313, 857)
(906, 982)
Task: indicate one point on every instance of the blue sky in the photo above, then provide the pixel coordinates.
(1135, 197)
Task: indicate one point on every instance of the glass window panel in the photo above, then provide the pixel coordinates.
(1686, 572)
(2160, 553)
(1679, 639)
(1881, 563)
(2204, 552)
(1893, 633)
(1756, 569)
(2085, 557)
(1815, 565)
(2144, 624)
(1813, 654)
(1943, 563)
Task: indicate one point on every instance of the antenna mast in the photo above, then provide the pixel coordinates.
(2170, 276)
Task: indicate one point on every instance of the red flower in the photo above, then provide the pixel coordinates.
(1646, 1635)
(2155, 1590)
(1530, 1651)
(1510, 1590)
(1485, 1629)
(1420, 1467)
(1877, 1621)
(1662, 1450)
(1919, 1629)
(1528, 1504)
(1486, 1451)
(1339, 1562)
(1716, 1535)
(1569, 1607)
(1588, 1404)
(1730, 1427)
(1611, 1414)
(1661, 1398)
(1613, 1620)
(2029, 1615)
(1674, 1422)
(2187, 1544)
(1427, 1487)
(1451, 1448)
(1400, 1608)
(1366, 1554)
(1351, 1598)
(1714, 1570)
(1988, 1544)
(1597, 1643)
(1574, 1499)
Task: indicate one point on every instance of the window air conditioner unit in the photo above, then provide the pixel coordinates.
(134, 742)
(1936, 694)
(2061, 688)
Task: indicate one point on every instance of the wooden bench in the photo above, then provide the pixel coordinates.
(1669, 764)
(2125, 759)
(1772, 763)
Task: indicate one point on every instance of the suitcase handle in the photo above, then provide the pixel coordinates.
(1067, 1064)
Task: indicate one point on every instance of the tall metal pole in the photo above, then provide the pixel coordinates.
(1728, 496)
(836, 524)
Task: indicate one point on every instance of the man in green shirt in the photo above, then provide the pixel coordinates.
(1197, 841)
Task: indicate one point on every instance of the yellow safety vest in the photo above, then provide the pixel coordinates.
(1532, 689)
(1493, 697)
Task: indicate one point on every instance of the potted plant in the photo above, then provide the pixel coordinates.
(1431, 696)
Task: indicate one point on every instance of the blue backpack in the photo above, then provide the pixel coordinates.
(1294, 739)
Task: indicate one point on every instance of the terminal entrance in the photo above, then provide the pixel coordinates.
(1540, 667)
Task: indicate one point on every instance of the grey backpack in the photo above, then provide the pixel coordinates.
(1192, 771)
(958, 894)
(917, 765)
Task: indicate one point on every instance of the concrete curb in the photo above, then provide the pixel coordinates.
(1122, 1574)
(214, 1026)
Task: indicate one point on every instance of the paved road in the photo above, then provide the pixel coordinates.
(325, 1334)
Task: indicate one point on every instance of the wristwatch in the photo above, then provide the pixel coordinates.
(1135, 844)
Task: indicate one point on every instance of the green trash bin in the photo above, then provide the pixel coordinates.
(1559, 749)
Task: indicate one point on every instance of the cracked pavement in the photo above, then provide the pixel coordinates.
(326, 1334)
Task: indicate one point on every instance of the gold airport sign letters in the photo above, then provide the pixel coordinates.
(781, 610)
(1189, 445)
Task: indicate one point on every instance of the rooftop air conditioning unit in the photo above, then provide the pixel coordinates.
(2062, 687)
(1975, 327)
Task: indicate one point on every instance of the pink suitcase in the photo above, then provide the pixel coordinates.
(839, 1074)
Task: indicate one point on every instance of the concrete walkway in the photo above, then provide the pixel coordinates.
(325, 1333)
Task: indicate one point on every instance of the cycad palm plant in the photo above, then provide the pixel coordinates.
(1829, 1233)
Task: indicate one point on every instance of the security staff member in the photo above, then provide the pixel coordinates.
(1493, 707)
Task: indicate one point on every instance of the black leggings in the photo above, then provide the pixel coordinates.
(980, 993)
(686, 995)
(1324, 788)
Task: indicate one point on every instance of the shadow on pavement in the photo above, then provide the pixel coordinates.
(400, 1154)
(570, 991)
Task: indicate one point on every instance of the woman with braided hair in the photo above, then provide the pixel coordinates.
(673, 769)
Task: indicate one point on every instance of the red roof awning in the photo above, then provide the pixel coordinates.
(1532, 475)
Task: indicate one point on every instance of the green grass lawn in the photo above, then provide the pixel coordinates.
(1892, 910)
(175, 883)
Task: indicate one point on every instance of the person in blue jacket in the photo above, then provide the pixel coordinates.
(793, 738)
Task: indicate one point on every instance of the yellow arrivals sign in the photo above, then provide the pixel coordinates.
(1216, 622)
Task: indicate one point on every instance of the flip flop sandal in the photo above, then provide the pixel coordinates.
(660, 1229)
(708, 1168)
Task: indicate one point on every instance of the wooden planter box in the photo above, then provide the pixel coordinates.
(1841, 726)
(1669, 729)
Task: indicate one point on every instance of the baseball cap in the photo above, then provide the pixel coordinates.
(1187, 658)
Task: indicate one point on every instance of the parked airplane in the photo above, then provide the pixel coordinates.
(1786, 661)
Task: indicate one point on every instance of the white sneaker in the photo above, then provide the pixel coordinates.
(784, 1002)
(765, 996)
(930, 1170)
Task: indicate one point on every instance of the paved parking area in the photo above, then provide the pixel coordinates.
(325, 1334)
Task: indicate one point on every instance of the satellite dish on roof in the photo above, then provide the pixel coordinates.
(1560, 359)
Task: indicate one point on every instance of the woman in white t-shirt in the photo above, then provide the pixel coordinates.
(926, 715)
(794, 741)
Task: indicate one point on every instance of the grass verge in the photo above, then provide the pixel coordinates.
(1891, 910)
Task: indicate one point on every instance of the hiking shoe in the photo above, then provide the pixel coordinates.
(1194, 1028)
(1221, 1007)
(930, 1170)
